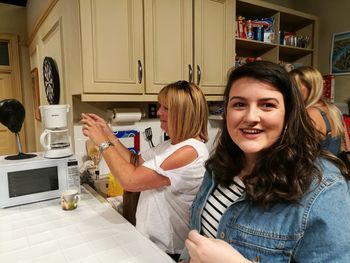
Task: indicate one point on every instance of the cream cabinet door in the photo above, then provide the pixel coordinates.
(112, 46)
(168, 42)
(213, 43)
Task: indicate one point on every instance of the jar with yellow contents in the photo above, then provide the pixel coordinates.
(114, 187)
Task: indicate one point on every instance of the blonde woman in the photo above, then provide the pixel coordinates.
(325, 116)
(169, 175)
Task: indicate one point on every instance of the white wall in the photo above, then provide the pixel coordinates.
(35, 9)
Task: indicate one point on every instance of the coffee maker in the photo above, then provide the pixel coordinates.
(55, 138)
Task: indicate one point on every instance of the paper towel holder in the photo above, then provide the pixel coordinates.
(125, 115)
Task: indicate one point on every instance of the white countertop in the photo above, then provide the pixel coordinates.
(92, 233)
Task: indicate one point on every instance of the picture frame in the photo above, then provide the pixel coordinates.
(340, 54)
(36, 93)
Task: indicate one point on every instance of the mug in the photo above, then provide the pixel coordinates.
(69, 199)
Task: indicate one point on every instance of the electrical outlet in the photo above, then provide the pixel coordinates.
(152, 110)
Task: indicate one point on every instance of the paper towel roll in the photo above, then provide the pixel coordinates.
(126, 115)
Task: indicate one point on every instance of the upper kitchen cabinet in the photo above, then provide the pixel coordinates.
(168, 42)
(135, 47)
(189, 40)
(289, 36)
(213, 44)
(112, 46)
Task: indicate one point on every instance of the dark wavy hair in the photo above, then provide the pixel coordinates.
(285, 170)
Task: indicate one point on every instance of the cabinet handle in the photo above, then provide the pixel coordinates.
(140, 71)
(190, 73)
(199, 74)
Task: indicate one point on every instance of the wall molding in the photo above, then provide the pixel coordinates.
(41, 20)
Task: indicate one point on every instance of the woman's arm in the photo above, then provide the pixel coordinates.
(327, 234)
(134, 178)
(93, 119)
(141, 178)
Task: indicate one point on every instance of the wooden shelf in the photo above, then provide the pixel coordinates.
(290, 53)
(253, 45)
(285, 19)
(250, 9)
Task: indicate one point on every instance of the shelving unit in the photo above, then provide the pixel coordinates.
(285, 20)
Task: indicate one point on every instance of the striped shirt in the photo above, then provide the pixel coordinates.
(219, 200)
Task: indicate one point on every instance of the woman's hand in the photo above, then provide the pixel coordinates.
(95, 128)
(106, 129)
(209, 250)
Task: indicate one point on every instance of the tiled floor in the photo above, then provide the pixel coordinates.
(94, 232)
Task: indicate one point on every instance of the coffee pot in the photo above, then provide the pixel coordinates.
(55, 138)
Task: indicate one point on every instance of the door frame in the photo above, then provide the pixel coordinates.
(15, 70)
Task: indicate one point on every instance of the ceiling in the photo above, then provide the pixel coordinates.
(14, 2)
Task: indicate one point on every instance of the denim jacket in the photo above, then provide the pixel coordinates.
(317, 229)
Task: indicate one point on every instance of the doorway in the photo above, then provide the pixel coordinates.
(10, 88)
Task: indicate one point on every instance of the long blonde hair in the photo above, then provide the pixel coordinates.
(312, 79)
(187, 110)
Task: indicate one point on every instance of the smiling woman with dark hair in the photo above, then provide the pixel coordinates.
(270, 193)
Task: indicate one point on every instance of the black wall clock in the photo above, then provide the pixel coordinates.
(51, 81)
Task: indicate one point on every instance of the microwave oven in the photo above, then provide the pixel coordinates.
(36, 179)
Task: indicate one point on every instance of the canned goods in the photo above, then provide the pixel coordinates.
(281, 37)
(249, 30)
(258, 33)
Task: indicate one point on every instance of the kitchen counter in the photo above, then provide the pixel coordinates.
(94, 232)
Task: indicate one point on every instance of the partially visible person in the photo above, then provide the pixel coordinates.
(326, 117)
(168, 175)
(346, 118)
(270, 190)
